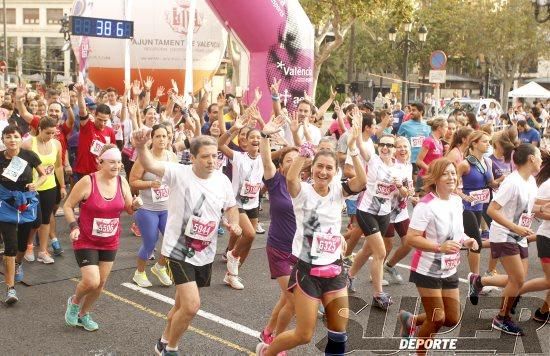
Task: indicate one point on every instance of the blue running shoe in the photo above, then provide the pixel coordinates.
(19, 274)
(506, 325)
(71, 314)
(87, 323)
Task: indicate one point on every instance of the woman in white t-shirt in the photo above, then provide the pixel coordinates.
(512, 214)
(437, 234)
(542, 211)
(318, 275)
(247, 174)
(373, 214)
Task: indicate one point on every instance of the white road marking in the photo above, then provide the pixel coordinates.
(230, 324)
(409, 267)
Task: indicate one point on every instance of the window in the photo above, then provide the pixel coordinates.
(32, 58)
(54, 16)
(10, 15)
(54, 56)
(31, 16)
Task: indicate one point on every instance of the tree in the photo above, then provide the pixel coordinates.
(337, 16)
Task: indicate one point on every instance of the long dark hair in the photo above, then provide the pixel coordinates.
(544, 173)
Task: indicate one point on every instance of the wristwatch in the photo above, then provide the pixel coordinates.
(263, 135)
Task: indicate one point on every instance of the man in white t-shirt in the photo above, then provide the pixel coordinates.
(198, 194)
(116, 107)
(312, 133)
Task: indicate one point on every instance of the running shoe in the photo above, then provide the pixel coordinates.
(382, 300)
(162, 274)
(351, 284)
(221, 231)
(393, 273)
(261, 348)
(159, 347)
(135, 230)
(232, 264)
(71, 314)
(506, 325)
(19, 273)
(169, 353)
(266, 337)
(140, 278)
(11, 296)
(87, 323)
(514, 306)
(473, 293)
(56, 247)
(407, 329)
(484, 235)
(260, 229)
(233, 281)
(385, 283)
(29, 253)
(45, 258)
(541, 317)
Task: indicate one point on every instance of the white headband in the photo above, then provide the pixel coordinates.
(111, 154)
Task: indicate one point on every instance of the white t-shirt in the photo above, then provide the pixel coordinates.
(399, 211)
(441, 220)
(247, 179)
(194, 208)
(376, 200)
(516, 197)
(314, 133)
(544, 194)
(318, 218)
(369, 146)
(115, 115)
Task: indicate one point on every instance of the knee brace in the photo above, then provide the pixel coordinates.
(336, 343)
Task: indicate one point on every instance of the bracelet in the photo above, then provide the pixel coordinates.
(353, 153)
(263, 135)
(275, 97)
(73, 226)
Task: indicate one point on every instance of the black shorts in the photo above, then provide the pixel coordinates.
(401, 227)
(428, 282)
(251, 213)
(315, 287)
(58, 195)
(89, 257)
(47, 203)
(472, 222)
(371, 224)
(503, 249)
(543, 248)
(182, 272)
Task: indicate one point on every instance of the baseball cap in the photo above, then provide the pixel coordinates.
(90, 103)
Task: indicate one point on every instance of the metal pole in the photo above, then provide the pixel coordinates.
(487, 73)
(404, 85)
(5, 43)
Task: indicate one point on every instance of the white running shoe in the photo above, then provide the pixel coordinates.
(29, 254)
(161, 273)
(233, 281)
(45, 258)
(140, 278)
(232, 264)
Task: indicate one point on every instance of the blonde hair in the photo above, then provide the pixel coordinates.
(435, 171)
(402, 139)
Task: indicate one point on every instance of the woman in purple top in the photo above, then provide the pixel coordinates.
(280, 235)
(477, 178)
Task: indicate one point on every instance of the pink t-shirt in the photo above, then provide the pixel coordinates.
(334, 128)
(435, 151)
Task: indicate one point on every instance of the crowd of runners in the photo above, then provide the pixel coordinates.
(189, 172)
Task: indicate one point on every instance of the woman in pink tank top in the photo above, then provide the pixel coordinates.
(102, 197)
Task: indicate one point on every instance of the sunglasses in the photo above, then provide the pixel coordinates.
(388, 145)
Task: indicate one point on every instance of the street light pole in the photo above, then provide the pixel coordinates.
(404, 84)
(5, 43)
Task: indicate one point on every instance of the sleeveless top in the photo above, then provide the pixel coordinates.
(155, 199)
(48, 162)
(476, 180)
(99, 220)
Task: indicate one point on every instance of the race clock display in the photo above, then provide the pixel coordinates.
(98, 27)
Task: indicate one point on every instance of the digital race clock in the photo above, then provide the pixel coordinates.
(97, 27)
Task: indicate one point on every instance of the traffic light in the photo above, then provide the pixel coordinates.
(340, 88)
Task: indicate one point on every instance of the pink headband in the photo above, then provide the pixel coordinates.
(111, 154)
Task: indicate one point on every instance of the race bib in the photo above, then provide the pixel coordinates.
(48, 170)
(222, 160)
(384, 190)
(104, 227)
(200, 229)
(416, 141)
(526, 219)
(160, 194)
(449, 262)
(481, 196)
(250, 190)
(15, 168)
(322, 244)
(96, 147)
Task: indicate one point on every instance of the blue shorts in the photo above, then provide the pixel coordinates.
(351, 207)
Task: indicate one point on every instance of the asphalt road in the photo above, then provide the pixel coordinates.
(131, 321)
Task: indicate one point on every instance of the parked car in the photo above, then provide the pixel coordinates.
(470, 105)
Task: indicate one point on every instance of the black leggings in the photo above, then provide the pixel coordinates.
(472, 222)
(15, 237)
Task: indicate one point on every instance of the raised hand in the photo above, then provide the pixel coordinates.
(236, 107)
(132, 108)
(127, 87)
(79, 88)
(274, 88)
(189, 134)
(207, 86)
(20, 92)
(221, 100)
(140, 137)
(294, 122)
(136, 88)
(148, 83)
(174, 86)
(65, 97)
(307, 97)
(274, 125)
(257, 94)
(194, 115)
(240, 122)
(160, 92)
(333, 93)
